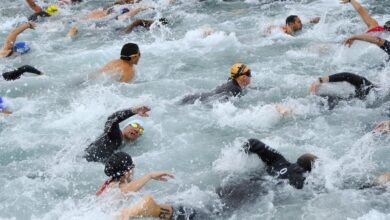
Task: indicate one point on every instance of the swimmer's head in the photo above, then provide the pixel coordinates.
(21, 47)
(306, 161)
(163, 21)
(133, 130)
(294, 22)
(387, 26)
(241, 74)
(52, 9)
(130, 52)
(124, 10)
(118, 165)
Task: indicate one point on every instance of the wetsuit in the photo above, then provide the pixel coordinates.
(362, 87)
(111, 140)
(386, 47)
(276, 164)
(37, 17)
(229, 89)
(15, 74)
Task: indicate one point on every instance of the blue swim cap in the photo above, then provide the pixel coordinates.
(21, 47)
(2, 107)
(124, 10)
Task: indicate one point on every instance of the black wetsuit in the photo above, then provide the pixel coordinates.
(386, 47)
(111, 140)
(229, 89)
(15, 74)
(276, 164)
(362, 87)
(37, 17)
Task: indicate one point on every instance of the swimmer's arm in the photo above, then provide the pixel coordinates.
(136, 23)
(11, 38)
(370, 21)
(132, 13)
(34, 6)
(365, 37)
(116, 118)
(136, 185)
(127, 75)
(265, 153)
(353, 79)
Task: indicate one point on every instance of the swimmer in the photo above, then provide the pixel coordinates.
(120, 170)
(11, 47)
(293, 24)
(122, 13)
(240, 78)
(372, 24)
(112, 138)
(15, 74)
(3, 108)
(278, 166)
(130, 55)
(144, 23)
(382, 43)
(39, 12)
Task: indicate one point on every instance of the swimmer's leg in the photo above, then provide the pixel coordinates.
(147, 207)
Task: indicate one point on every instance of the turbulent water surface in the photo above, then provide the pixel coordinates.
(43, 174)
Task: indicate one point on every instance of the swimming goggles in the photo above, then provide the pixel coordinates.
(136, 125)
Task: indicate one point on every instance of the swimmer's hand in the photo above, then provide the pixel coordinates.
(5, 112)
(315, 20)
(349, 41)
(161, 176)
(382, 127)
(314, 87)
(141, 111)
(31, 24)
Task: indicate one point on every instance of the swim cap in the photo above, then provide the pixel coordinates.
(129, 50)
(118, 164)
(21, 47)
(306, 160)
(52, 9)
(139, 122)
(238, 69)
(2, 107)
(387, 26)
(124, 10)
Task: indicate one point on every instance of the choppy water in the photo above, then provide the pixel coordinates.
(56, 116)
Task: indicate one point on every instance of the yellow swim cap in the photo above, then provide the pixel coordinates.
(52, 9)
(238, 69)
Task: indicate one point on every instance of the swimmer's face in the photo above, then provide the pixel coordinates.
(244, 81)
(135, 59)
(297, 25)
(129, 175)
(132, 133)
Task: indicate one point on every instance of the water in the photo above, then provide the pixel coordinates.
(43, 174)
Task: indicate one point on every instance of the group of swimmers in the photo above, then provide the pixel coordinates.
(119, 166)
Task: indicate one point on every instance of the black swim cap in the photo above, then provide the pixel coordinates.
(305, 161)
(291, 19)
(118, 164)
(387, 26)
(128, 50)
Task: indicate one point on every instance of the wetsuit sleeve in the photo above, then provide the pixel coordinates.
(386, 47)
(361, 84)
(113, 121)
(268, 155)
(15, 74)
